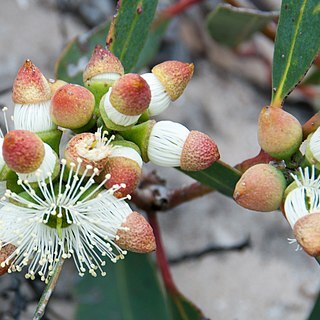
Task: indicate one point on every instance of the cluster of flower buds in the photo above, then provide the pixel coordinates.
(69, 200)
(290, 181)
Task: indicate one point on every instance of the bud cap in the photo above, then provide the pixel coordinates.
(174, 76)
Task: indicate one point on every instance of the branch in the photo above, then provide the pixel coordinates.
(152, 194)
(48, 291)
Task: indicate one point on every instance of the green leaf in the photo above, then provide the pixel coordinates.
(74, 58)
(218, 176)
(231, 26)
(152, 44)
(129, 30)
(131, 290)
(315, 312)
(297, 43)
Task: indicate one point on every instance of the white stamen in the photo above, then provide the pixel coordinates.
(33, 117)
(92, 225)
(114, 115)
(127, 152)
(160, 100)
(166, 143)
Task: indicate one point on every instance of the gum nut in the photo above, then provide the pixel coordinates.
(5, 253)
(102, 61)
(260, 188)
(174, 76)
(199, 152)
(123, 170)
(307, 232)
(130, 95)
(279, 133)
(72, 106)
(137, 236)
(23, 151)
(30, 86)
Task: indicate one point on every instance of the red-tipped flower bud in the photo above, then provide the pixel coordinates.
(136, 234)
(124, 166)
(174, 76)
(260, 188)
(5, 253)
(124, 103)
(102, 66)
(30, 86)
(23, 151)
(72, 106)
(279, 133)
(173, 145)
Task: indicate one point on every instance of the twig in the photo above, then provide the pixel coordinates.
(211, 249)
(161, 256)
(177, 8)
(48, 291)
(157, 197)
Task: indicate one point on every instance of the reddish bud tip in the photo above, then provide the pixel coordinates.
(307, 233)
(260, 188)
(130, 95)
(30, 85)
(5, 253)
(174, 76)
(23, 151)
(123, 170)
(72, 106)
(138, 237)
(199, 152)
(102, 61)
(279, 133)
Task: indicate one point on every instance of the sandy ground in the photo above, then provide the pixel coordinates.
(269, 280)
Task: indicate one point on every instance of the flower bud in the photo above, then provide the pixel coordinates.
(136, 234)
(31, 94)
(72, 106)
(5, 253)
(124, 103)
(313, 149)
(174, 76)
(91, 149)
(279, 133)
(124, 166)
(23, 151)
(103, 66)
(260, 188)
(307, 232)
(102, 70)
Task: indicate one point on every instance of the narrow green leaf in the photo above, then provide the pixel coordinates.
(130, 291)
(74, 58)
(231, 26)
(315, 312)
(218, 176)
(129, 30)
(297, 43)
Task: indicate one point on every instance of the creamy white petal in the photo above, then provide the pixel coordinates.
(127, 152)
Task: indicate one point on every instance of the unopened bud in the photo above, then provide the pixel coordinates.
(72, 106)
(260, 188)
(23, 151)
(279, 133)
(136, 234)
